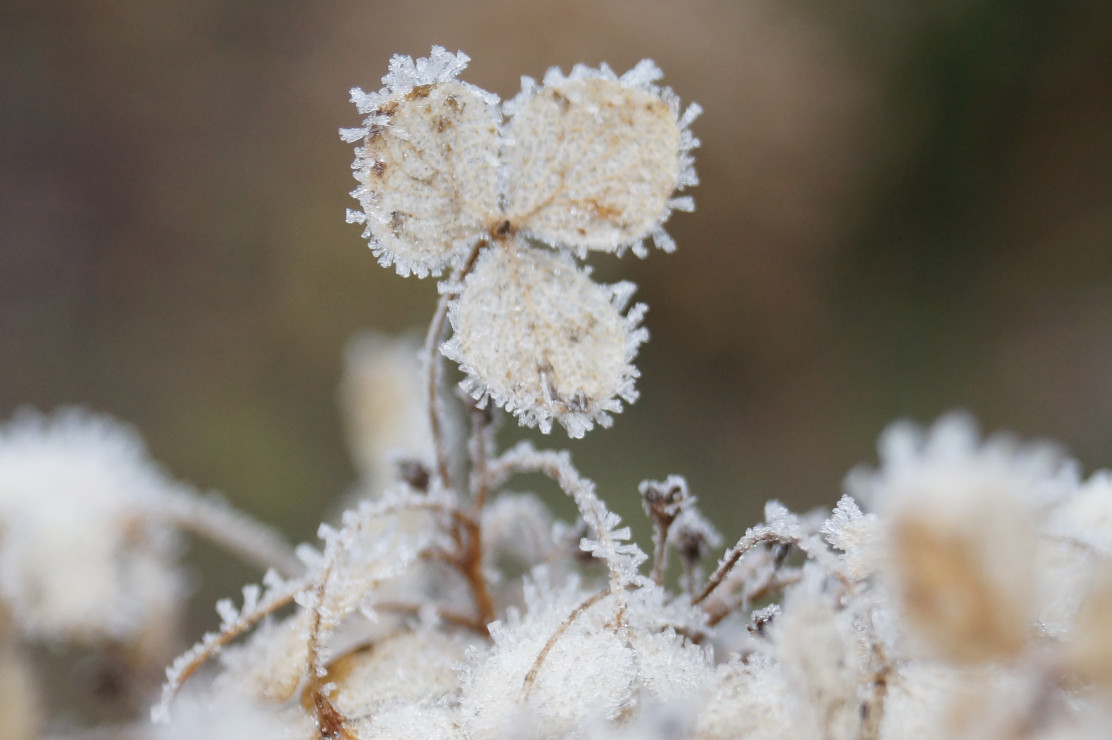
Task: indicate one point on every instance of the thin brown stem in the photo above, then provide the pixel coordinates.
(471, 566)
(756, 536)
(450, 617)
(433, 369)
(479, 448)
(434, 360)
(188, 664)
(213, 519)
(531, 676)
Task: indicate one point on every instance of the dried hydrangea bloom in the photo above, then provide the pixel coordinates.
(534, 333)
(588, 161)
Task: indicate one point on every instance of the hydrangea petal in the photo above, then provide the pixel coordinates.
(592, 160)
(534, 333)
(427, 166)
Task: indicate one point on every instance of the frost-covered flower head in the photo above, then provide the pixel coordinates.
(78, 560)
(449, 178)
(961, 531)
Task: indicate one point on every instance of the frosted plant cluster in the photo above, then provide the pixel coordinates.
(961, 588)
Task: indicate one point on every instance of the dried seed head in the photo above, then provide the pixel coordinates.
(534, 333)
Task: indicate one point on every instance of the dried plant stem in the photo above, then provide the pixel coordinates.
(433, 369)
(212, 518)
(480, 448)
(330, 720)
(470, 564)
(755, 536)
(213, 642)
(450, 617)
(523, 458)
(531, 676)
(434, 366)
(776, 581)
(660, 549)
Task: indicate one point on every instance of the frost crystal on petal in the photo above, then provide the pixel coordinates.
(592, 159)
(536, 335)
(427, 166)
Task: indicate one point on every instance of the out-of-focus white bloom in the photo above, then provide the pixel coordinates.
(821, 662)
(748, 699)
(231, 716)
(961, 533)
(20, 710)
(384, 398)
(79, 557)
(1088, 651)
(1077, 538)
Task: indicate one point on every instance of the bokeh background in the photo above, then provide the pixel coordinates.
(906, 207)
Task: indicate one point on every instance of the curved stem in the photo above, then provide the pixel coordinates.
(215, 520)
(433, 365)
(433, 361)
(531, 676)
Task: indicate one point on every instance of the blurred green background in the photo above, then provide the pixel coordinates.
(906, 207)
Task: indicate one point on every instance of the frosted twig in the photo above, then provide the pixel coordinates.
(213, 642)
(622, 558)
(754, 536)
(214, 519)
(434, 360)
(459, 620)
(480, 448)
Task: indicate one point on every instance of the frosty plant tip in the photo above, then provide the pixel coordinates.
(505, 196)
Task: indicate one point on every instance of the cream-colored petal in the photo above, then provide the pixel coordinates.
(427, 168)
(534, 333)
(592, 160)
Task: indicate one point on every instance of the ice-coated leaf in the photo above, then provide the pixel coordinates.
(534, 333)
(592, 159)
(427, 166)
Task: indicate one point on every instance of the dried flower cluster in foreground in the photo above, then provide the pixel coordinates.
(961, 589)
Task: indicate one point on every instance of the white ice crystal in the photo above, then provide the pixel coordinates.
(79, 557)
